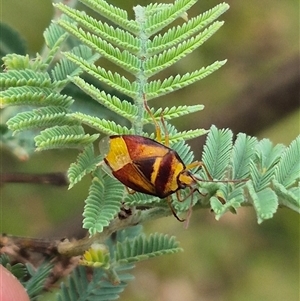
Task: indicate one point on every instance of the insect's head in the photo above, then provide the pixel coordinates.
(186, 179)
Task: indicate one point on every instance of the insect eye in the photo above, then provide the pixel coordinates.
(182, 185)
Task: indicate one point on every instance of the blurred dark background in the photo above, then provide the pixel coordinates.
(256, 92)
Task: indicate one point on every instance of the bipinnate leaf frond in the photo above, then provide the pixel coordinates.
(287, 176)
(98, 211)
(158, 88)
(25, 77)
(114, 80)
(65, 69)
(242, 153)
(159, 62)
(115, 36)
(142, 248)
(54, 37)
(123, 59)
(288, 197)
(216, 152)
(187, 135)
(113, 13)
(178, 34)
(34, 96)
(288, 168)
(43, 117)
(20, 62)
(105, 126)
(64, 137)
(173, 112)
(167, 15)
(262, 167)
(35, 285)
(80, 286)
(254, 167)
(86, 163)
(121, 107)
(265, 202)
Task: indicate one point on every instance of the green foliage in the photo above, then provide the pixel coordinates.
(216, 152)
(19, 270)
(32, 279)
(258, 169)
(142, 248)
(85, 164)
(64, 137)
(34, 97)
(35, 284)
(98, 212)
(256, 164)
(100, 288)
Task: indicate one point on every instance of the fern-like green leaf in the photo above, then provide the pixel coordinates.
(268, 155)
(264, 201)
(287, 171)
(262, 166)
(124, 59)
(63, 137)
(175, 136)
(153, 8)
(178, 34)
(288, 197)
(54, 37)
(164, 17)
(14, 61)
(173, 112)
(105, 126)
(43, 117)
(234, 200)
(86, 163)
(103, 202)
(35, 284)
(157, 88)
(25, 77)
(114, 80)
(122, 108)
(111, 34)
(243, 151)
(216, 152)
(113, 13)
(66, 68)
(19, 270)
(141, 248)
(80, 286)
(34, 96)
(169, 57)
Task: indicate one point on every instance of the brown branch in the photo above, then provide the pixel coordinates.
(56, 178)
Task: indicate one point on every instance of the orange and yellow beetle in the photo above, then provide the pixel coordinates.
(145, 165)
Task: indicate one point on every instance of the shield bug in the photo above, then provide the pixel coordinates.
(148, 166)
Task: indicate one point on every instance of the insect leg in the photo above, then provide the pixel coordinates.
(157, 127)
(173, 210)
(167, 140)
